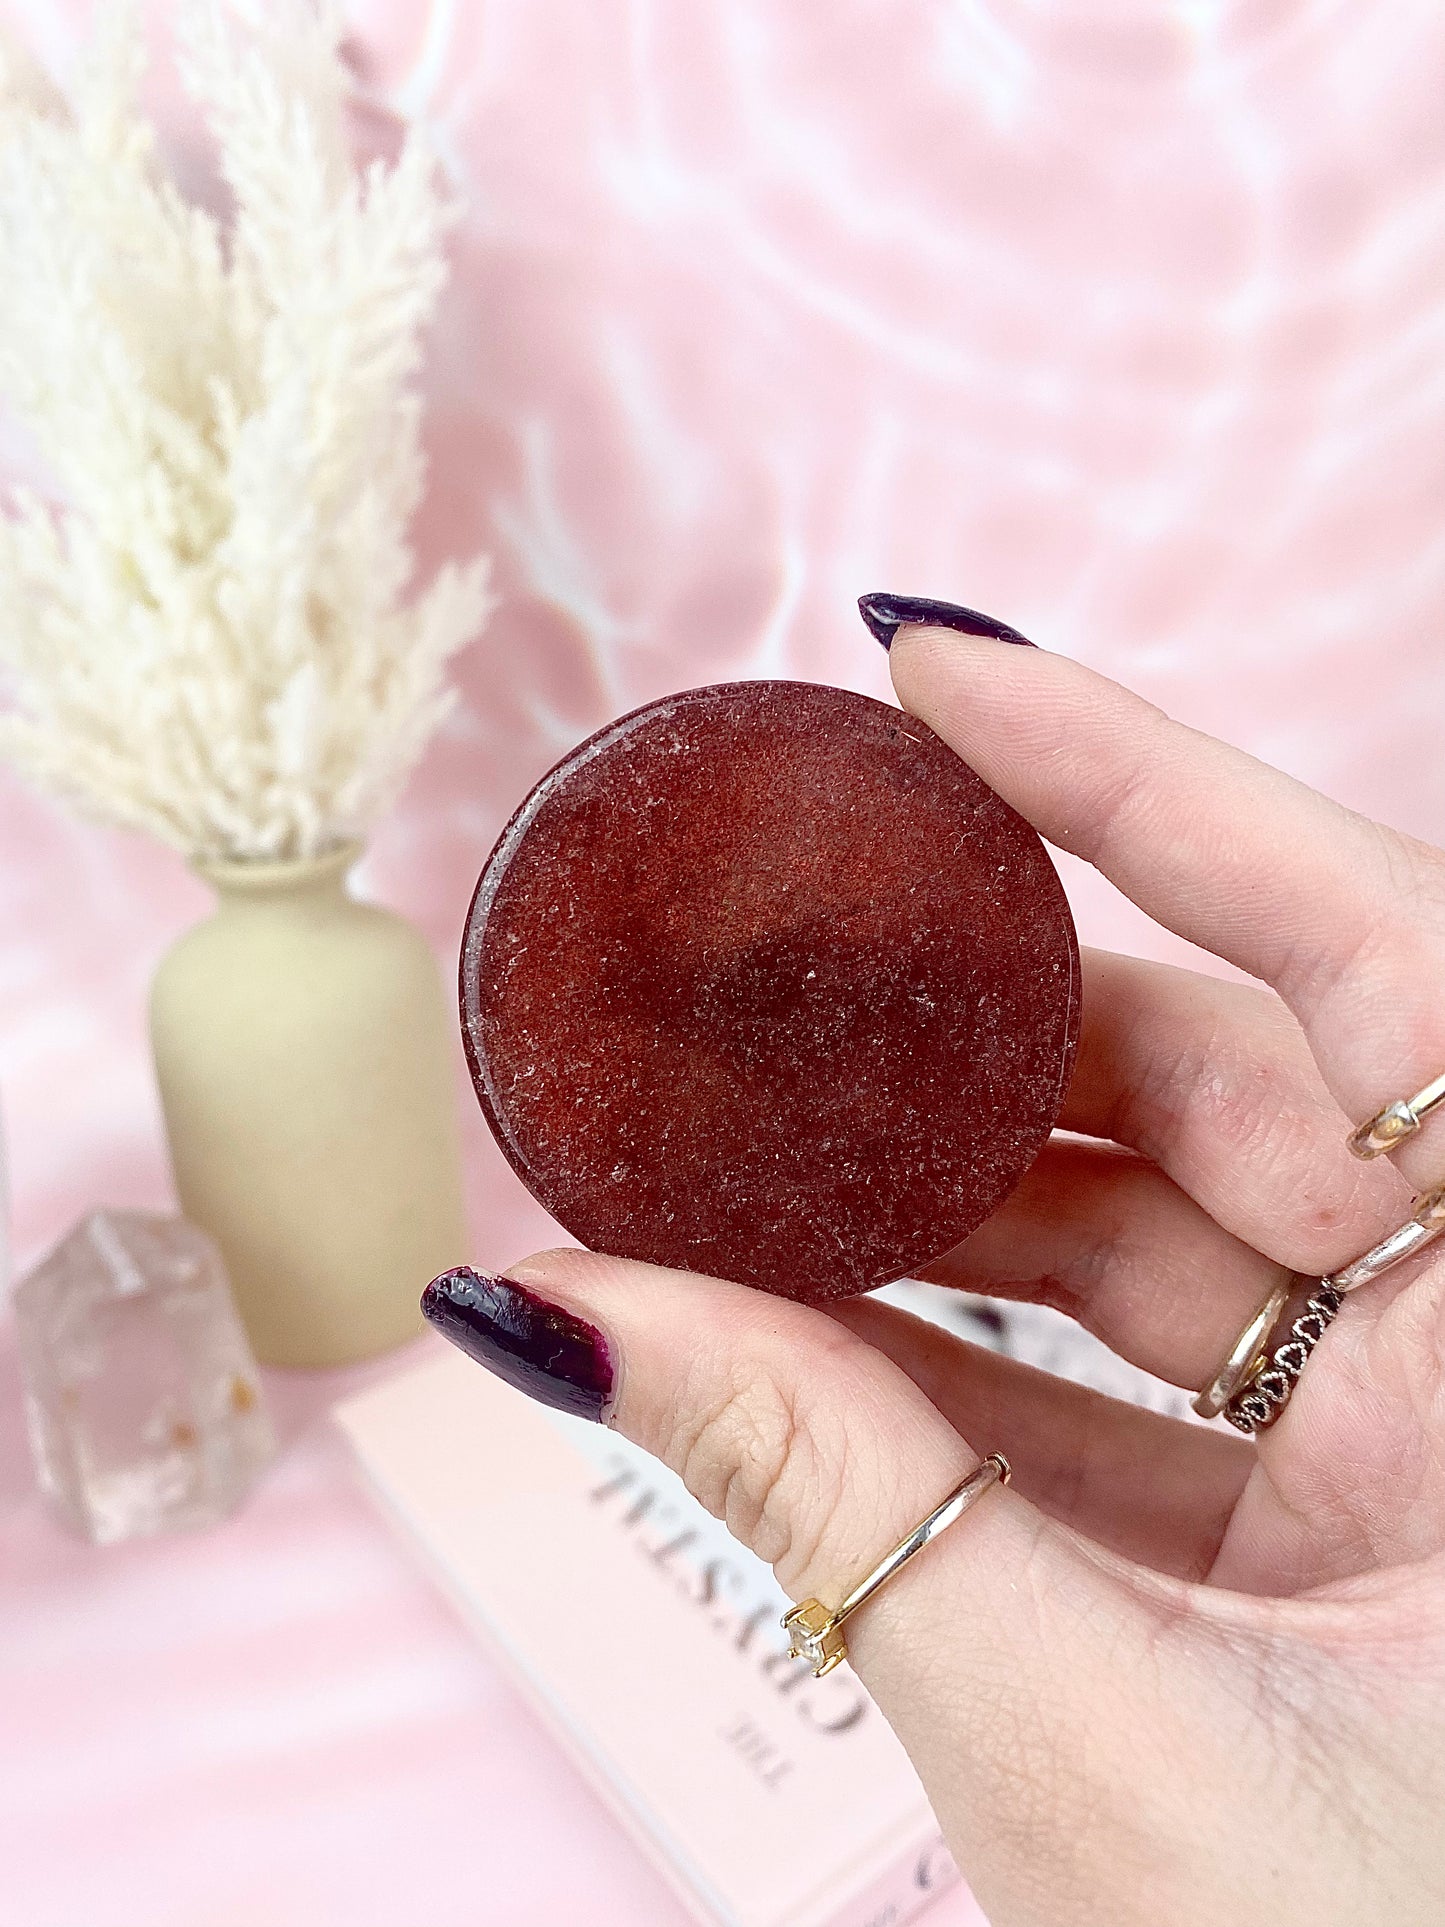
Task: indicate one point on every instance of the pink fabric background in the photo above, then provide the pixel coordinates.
(1120, 321)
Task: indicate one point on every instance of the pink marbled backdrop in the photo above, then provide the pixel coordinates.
(1121, 321)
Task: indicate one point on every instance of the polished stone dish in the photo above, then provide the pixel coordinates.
(762, 981)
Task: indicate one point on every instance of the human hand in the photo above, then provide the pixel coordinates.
(1168, 1676)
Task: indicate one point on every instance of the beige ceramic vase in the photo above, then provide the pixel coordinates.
(302, 1049)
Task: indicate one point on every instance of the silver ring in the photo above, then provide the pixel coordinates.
(1266, 1394)
(1412, 1236)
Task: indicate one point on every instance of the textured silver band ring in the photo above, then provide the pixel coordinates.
(1265, 1392)
(1397, 1121)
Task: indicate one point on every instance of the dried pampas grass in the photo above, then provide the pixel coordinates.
(209, 634)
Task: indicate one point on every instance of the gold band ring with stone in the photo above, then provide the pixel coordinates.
(1397, 1121)
(1263, 1394)
(816, 1635)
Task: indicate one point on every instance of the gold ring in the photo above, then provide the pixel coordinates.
(1397, 1121)
(815, 1634)
(1244, 1354)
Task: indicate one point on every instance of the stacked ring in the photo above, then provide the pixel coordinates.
(1260, 1401)
(1258, 1376)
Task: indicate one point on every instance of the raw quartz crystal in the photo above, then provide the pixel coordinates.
(143, 1400)
(762, 981)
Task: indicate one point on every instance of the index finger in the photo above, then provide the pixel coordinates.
(1345, 919)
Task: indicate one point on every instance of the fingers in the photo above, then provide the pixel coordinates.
(1214, 1081)
(818, 1453)
(1148, 1487)
(1346, 920)
(810, 1446)
(1167, 1261)
(1107, 1238)
(991, 1654)
(1227, 852)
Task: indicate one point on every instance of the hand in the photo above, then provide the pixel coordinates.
(1170, 1676)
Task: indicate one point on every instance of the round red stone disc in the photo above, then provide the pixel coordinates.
(762, 981)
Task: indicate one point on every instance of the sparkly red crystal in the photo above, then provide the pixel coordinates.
(762, 981)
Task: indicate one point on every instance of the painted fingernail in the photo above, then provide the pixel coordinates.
(886, 614)
(536, 1346)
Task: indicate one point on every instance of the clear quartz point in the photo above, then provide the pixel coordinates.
(143, 1400)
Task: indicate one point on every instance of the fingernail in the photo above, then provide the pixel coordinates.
(541, 1349)
(886, 614)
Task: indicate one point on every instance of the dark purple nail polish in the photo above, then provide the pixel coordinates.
(886, 614)
(541, 1349)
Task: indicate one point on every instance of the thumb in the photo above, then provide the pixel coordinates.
(995, 1654)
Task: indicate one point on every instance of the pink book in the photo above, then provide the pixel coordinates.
(649, 1642)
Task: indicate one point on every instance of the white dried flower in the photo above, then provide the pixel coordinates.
(207, 635)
